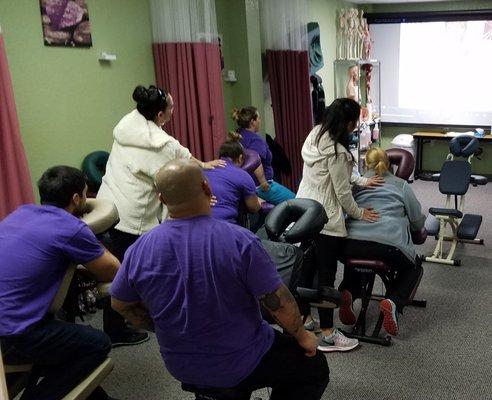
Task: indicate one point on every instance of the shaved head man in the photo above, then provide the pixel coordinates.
(198, 281)
(183, 189)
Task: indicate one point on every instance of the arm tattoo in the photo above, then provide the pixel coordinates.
(271, 301)
(283, 308)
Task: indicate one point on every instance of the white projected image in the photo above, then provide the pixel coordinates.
(444, 71)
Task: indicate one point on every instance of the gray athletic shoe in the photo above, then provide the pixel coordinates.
(337, 341)
(312, 326)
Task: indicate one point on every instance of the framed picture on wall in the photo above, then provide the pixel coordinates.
(65, 23)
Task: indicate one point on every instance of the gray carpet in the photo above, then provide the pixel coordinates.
(443, 351)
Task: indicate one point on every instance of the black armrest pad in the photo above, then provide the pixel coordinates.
(446, 211)
(469, 226)
(478, 180)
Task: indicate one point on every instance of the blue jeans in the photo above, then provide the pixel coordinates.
(63, 354)
(276, 195)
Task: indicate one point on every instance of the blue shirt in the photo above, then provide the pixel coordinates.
(37, 244)
(231, 185)
(201, 279)
(252, 140)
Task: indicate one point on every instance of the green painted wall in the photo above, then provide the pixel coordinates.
(325, 13)
(232, 24)
(67, 101)
(254, 51)
(435, 152)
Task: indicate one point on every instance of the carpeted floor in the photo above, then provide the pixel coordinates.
(443, 351)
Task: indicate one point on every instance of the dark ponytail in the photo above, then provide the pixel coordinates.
(150, 101)
(336, 119)
(232, 147)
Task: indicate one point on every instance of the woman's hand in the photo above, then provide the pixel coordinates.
(213, 200)
(375, 181)
(265, 186)
(370, 215)
(214, 163)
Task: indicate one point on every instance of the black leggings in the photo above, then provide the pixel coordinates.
(407, 276)
(117, 243)
(328, 249)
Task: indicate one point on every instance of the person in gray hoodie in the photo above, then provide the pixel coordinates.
(326, 178)
(388, 240)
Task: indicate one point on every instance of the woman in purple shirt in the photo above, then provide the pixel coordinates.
(248, 120)
(232, 186)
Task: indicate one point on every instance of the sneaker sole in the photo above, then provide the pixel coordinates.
(345, 313)
(390, 324)
(332, 349)
(121, 344)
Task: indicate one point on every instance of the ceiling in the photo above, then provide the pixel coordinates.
(394, 1)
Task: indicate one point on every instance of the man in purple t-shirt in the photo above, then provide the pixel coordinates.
(233, 187)
(37, 244)
(198, 282)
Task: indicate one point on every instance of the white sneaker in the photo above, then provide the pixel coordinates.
(337, 341)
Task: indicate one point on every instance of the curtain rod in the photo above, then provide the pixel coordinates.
(428, 16)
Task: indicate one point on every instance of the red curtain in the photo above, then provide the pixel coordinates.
(191, 72)
(15, 180)
(288, 73)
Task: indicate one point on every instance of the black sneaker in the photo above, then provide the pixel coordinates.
(129, 338)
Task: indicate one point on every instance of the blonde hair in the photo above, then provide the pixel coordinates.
(244, 116)
(377, 159)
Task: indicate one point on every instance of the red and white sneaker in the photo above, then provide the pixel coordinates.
(390, 322)
(346, 312)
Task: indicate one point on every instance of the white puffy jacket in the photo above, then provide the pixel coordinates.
(140, 149)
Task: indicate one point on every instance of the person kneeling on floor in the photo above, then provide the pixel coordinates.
(198, 282)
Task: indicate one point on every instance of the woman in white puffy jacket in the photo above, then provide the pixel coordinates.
(140, 148)
(326, 178)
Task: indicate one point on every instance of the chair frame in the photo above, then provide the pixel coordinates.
(368, 276)
(439, 254)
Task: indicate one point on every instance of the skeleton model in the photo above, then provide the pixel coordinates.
(352, 32)
(342, 34)
(367, 42)
(354, 41)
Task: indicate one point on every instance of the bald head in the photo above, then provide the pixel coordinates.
(182, 186)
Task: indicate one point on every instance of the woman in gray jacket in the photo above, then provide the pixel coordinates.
(388, 240)
(326, 178)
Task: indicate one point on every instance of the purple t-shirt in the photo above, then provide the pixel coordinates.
(231, 185)
(253, 141)
(201, 279)
(37, 243)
